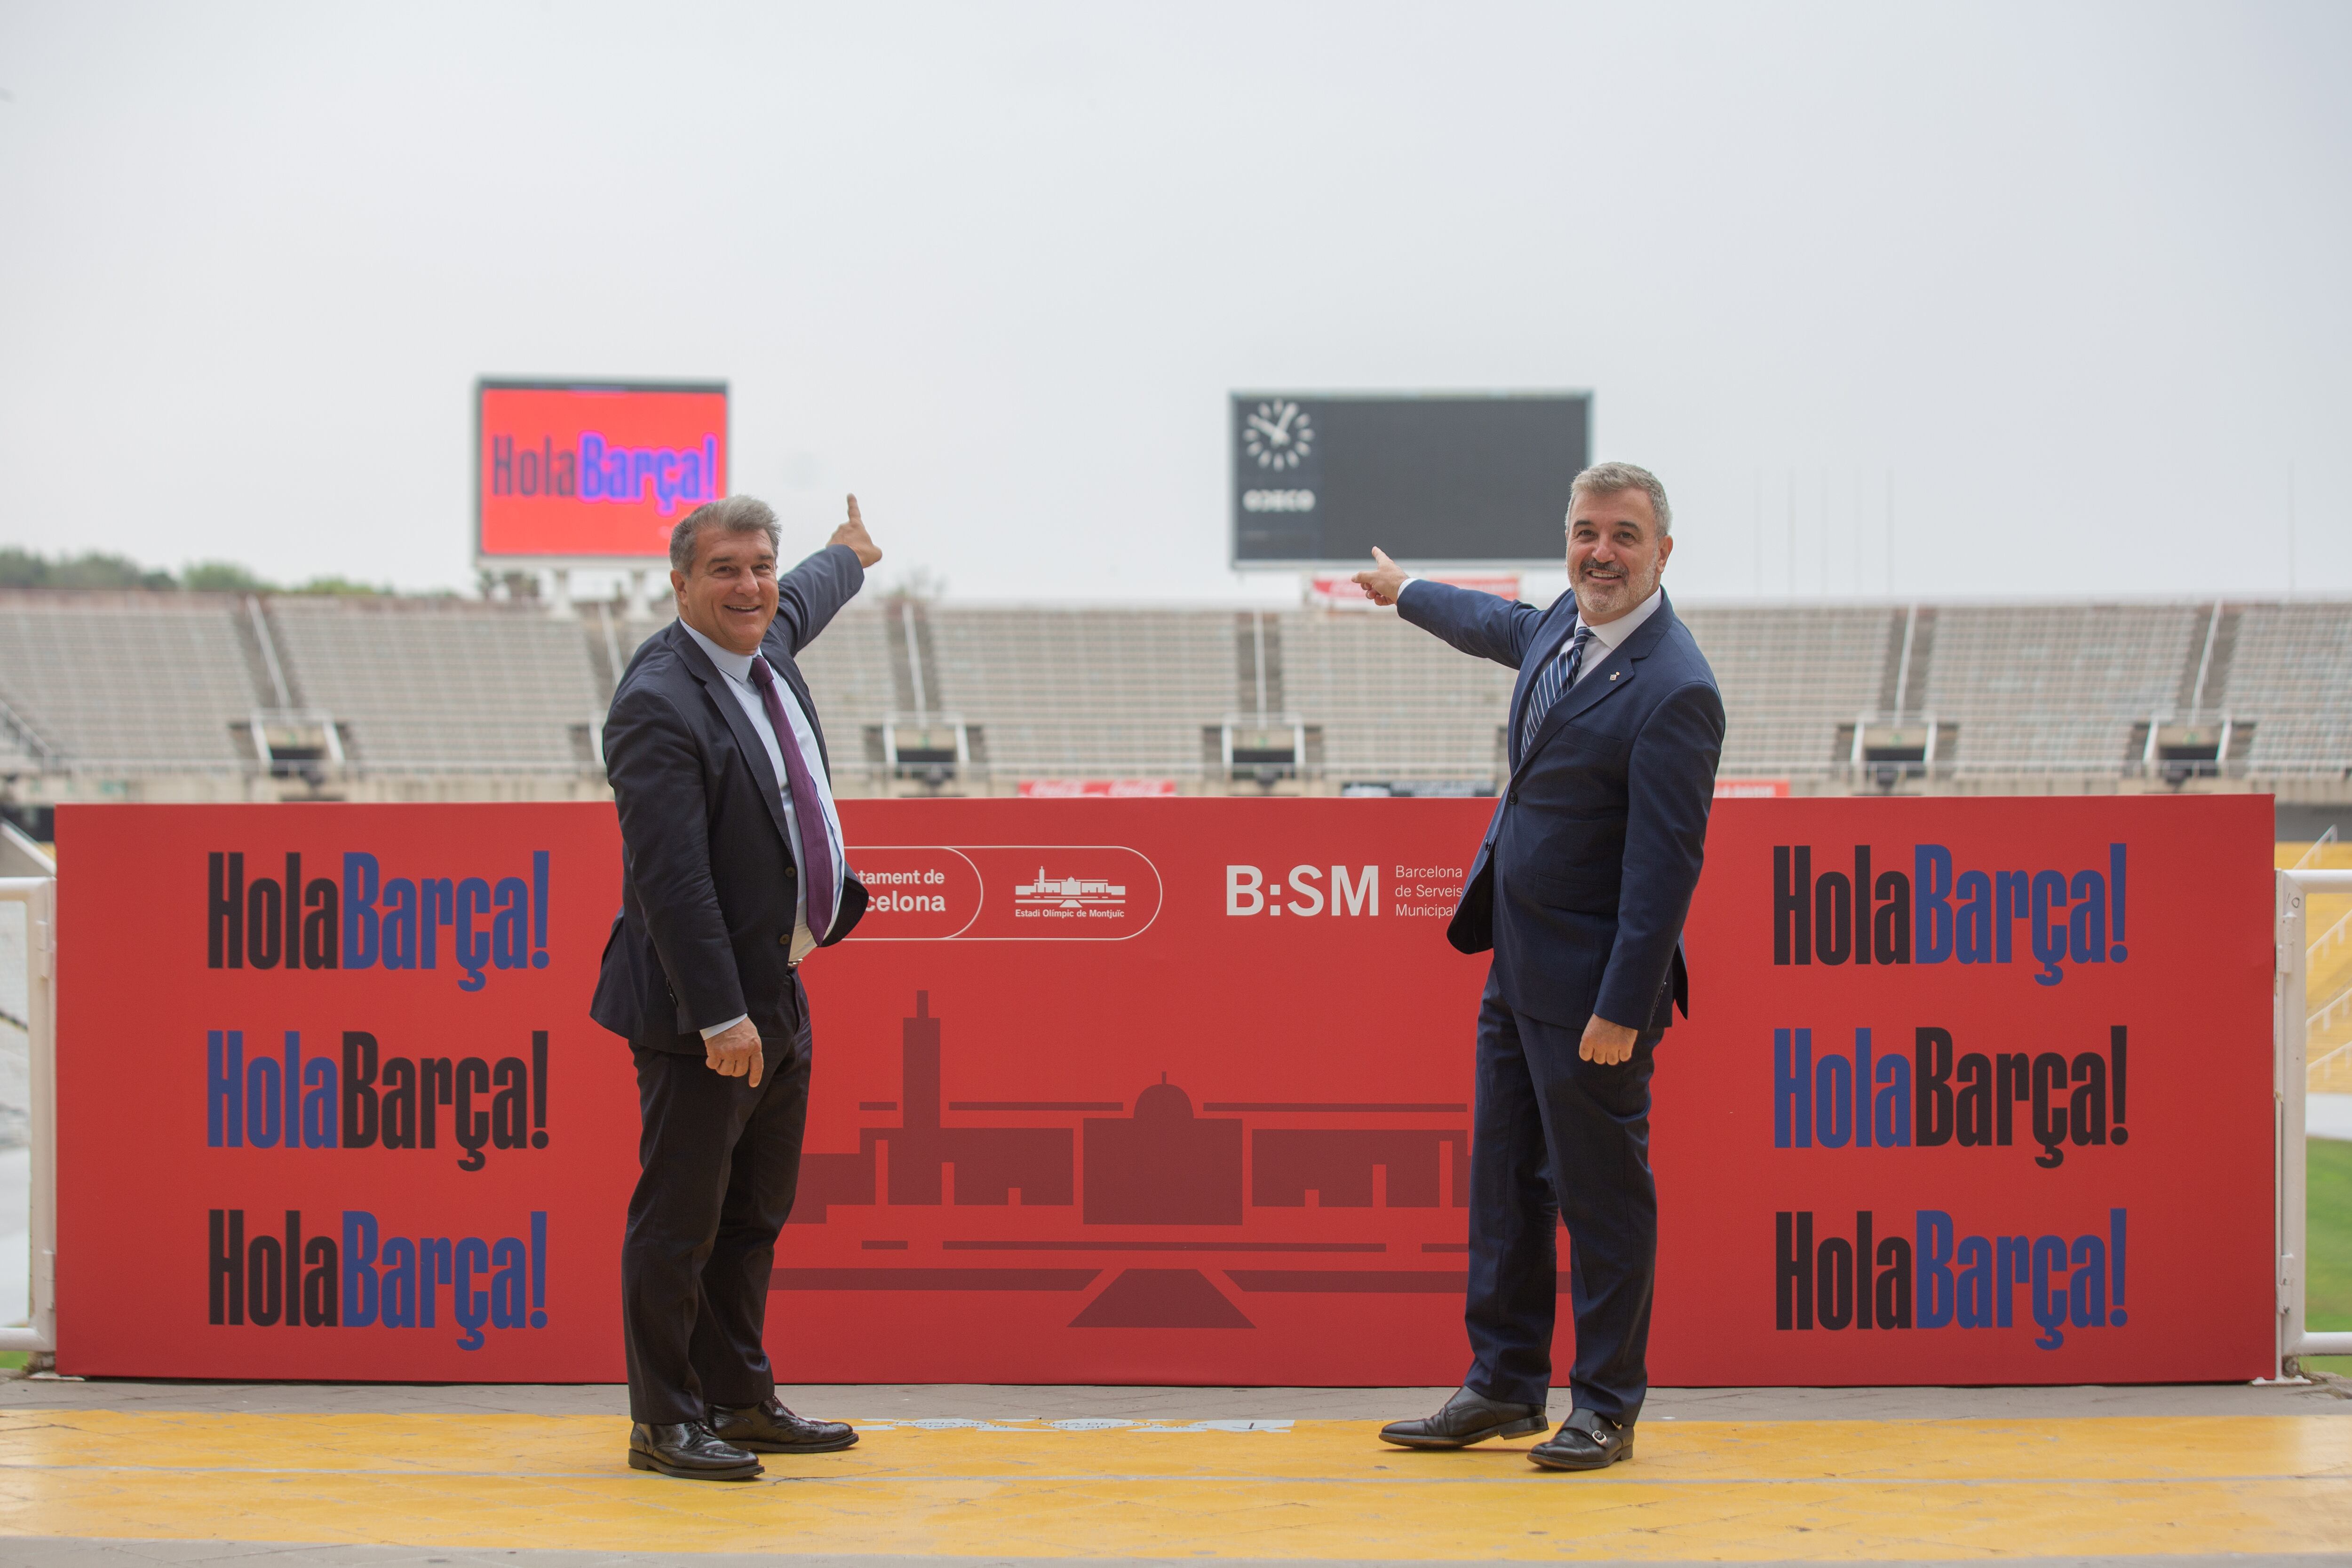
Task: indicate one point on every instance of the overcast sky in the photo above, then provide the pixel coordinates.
(2066, 282)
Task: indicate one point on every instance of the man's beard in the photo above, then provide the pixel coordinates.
(1632, 587)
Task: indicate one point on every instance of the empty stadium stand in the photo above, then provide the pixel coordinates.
(107, 696)
(1390, 702)
(1797, 682)
(434, 686)
(2055, 688)
(2298, 657)
(1066, 692)
(131, 682)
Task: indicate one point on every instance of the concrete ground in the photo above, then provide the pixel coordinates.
(107, 1475)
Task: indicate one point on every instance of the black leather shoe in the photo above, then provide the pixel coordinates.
(770, 1429)
(1468, 1419)
(1587, 1440)
(687, 1450)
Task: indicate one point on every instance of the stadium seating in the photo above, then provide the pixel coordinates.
(852, 669)
(159, 689)
(1393, 703)
(1086, 692)
(2057, 689)
(130, 682)
(2291, 675)
(1791, 678)
(428, 685)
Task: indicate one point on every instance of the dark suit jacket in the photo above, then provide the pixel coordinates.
(1588, 864)
(707, 881)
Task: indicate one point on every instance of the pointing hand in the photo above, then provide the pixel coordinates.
(852, 534)
(1384, 582)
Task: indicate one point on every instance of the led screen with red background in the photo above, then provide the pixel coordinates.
(595, 470)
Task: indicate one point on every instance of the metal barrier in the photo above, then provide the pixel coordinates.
(2290, 1025)
(38, 895)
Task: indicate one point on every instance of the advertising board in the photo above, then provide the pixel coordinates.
(589, 471)
(1171, 1090)
(1318, 479)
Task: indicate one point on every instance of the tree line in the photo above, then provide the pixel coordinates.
(96, 569)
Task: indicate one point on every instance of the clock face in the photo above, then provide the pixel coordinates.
(1278, 435)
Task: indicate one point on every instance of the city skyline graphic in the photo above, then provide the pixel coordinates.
(1114, 1170)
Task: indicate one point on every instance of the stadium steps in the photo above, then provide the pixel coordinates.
(2291, 679)
(130, 681)
(2055, 688)
(440, 685)
(146, 684)
(1792, 677)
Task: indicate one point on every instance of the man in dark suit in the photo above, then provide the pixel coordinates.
(732, 873)
(1579, 890)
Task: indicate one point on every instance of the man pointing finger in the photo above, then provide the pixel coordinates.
(732, 874)
(1580, 889)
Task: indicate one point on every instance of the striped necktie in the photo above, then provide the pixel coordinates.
(1555, 678)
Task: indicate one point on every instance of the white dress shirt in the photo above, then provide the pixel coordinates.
(737, 668)
(1612, 636)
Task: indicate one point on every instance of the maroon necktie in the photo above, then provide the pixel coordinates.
(817, 876)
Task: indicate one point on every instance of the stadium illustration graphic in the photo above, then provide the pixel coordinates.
(1159, 1165)
(1068, 892)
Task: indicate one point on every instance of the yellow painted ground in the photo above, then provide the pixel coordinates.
(1321, 1489)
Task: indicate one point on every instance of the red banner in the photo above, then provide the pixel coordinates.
(1171, 1090)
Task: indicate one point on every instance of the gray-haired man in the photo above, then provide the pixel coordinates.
(732, 873)
(1579, 890)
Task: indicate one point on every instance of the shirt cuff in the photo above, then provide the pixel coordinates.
(718, 1029)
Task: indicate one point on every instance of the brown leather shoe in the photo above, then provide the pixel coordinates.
(1587, 1440)
(1468, 1419)
(769, 1428)
(687, 1450)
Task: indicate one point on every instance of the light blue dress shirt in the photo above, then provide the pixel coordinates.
(737, 668)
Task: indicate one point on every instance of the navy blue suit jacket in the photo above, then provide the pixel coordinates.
(706, 875)
(1593, 852)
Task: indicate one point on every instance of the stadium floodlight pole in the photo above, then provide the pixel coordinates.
(38, 895)
(2290, 1029)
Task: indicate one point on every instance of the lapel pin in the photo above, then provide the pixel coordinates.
(1615, 674)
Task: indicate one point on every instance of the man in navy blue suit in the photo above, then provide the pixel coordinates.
(1579, 890)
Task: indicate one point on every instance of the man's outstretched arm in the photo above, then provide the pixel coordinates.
(808, 596)
(1480, 624)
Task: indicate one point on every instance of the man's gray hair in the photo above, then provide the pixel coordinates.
(1609, 479)
(735, 514)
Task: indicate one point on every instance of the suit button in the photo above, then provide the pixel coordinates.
(785, 940)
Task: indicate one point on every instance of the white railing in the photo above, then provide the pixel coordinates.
(2317, 851)
(2290, 1031)
(38, 895)
(2329, 938)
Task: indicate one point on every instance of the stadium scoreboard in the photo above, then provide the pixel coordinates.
(1319, 480)
(592, 471)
